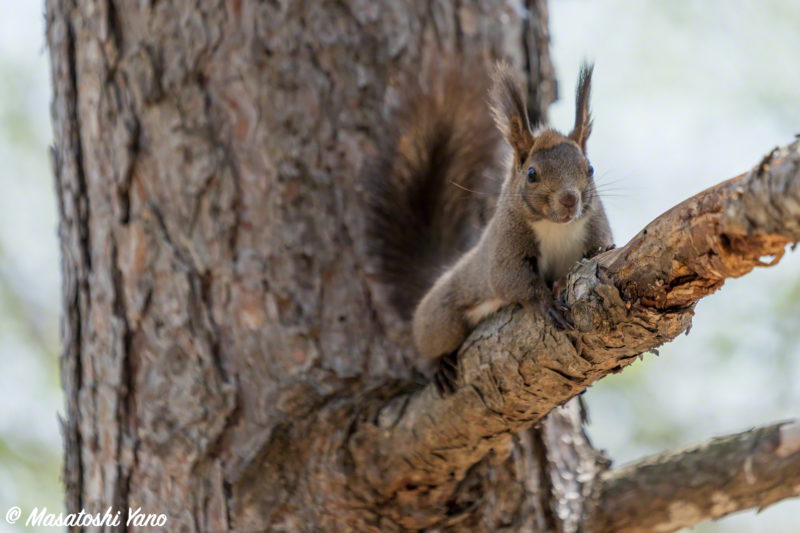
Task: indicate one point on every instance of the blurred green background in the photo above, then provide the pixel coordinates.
(30, 393)
(687, 93)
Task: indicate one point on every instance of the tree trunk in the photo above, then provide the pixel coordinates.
(229, 359)
(217, 291)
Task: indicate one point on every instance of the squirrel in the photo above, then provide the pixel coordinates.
(426, 209)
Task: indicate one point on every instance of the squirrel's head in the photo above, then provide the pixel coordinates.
(550, 173)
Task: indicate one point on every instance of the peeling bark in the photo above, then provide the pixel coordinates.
(752, 469)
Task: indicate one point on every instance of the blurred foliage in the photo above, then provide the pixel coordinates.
(19, 128)
(30, 448)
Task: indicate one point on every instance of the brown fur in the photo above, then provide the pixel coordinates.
(540, 227)
(583, 119)
(510, 112)
(433, 184)
(547, 139)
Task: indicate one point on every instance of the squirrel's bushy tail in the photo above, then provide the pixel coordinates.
(433, 183)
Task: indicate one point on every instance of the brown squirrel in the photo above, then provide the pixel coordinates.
(423, 228)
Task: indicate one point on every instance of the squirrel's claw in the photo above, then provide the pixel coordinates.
(599, 250)
(446, 374)
(555, 312)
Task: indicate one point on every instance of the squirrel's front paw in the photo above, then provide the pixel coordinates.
(446, 374)
(598, 250)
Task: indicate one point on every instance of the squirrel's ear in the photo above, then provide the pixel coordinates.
(510, 112)
(583, 119)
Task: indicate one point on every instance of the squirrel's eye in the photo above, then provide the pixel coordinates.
(531, 175)
(590, 171)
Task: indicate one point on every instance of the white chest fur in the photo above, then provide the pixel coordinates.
(560, 245)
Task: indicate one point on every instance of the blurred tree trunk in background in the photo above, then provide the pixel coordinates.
(217, 293)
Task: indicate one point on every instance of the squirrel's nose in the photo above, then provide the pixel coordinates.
(568, 199)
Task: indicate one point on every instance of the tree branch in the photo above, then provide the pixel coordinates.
(680, 489)
(515, 367)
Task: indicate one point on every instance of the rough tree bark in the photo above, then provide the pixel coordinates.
(228, 358)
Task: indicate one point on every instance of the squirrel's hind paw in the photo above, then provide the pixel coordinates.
(446, 374)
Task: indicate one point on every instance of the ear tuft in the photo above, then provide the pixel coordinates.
(583, 118)
(510, 111)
